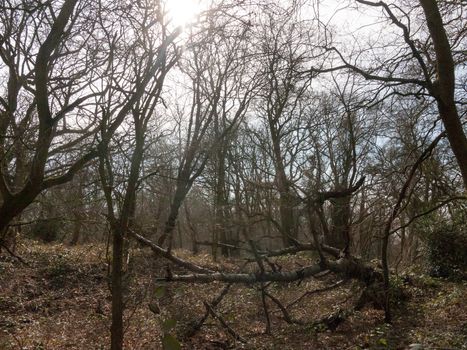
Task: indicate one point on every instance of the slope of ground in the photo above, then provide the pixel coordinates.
(61, 300)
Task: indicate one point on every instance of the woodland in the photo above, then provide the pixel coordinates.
(233, 174)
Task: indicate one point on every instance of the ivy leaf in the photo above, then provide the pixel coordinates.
(168, 324)
(170, 343)
(159, 292)
(383, 342)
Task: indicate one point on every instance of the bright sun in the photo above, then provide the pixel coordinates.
(182, 12)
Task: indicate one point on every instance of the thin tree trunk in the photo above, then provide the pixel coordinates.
(116, 329)
(76, 229)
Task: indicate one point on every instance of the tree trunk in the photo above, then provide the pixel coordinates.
(76, 229)
(339, 236)
(183, 187)
(116, 329)
(443, 89)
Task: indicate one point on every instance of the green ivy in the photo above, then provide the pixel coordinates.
(447, 251)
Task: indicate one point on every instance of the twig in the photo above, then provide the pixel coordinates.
(299, 247)
(436, 207)
(197, 326)
(220, 244)
(396, 209)
(332, 286)
(224, 324)
(284, 311)
(17, 257)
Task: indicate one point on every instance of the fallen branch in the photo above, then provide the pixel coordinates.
(168, 255)
(197, 326)
(283, 309)
(348, 266)
(220, 244)
(247, 278)
(224, 324)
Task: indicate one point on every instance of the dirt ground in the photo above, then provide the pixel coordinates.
(61, 300)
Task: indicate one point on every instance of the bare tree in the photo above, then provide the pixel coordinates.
(284, 53)
(220, 94)
(47, 127)
(423, 66)
(144, 54)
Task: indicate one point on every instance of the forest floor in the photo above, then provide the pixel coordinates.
(62, 301)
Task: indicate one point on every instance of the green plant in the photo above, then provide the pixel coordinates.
(398, 290)
(447, 250)
(169, 341)
(59, 273)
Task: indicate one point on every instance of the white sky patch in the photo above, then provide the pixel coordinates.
(182, 12)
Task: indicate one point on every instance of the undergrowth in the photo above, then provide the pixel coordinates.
(62, 301)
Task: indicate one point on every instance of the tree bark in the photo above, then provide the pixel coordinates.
(116, 329)
(444, 87)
